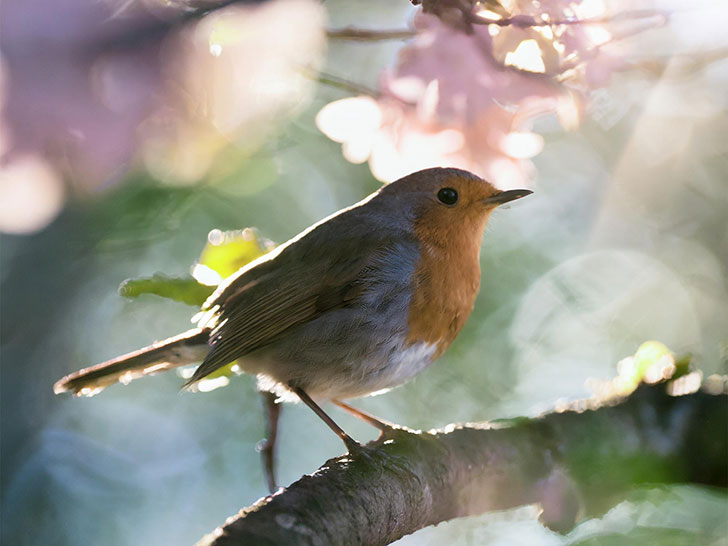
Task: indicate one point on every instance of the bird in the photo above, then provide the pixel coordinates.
(356, 304)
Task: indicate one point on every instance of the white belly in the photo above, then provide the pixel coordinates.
(404, 364)
(391, 365)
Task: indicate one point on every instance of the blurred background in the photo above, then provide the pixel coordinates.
(130, 129)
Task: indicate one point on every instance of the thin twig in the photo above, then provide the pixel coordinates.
(341, 83)
(525, 21)
(367, 35)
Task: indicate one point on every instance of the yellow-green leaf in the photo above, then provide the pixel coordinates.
(228, 251)
(184, 289)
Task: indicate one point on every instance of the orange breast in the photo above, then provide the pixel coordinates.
(447, 278)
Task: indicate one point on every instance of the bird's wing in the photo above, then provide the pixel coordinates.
(299, 284)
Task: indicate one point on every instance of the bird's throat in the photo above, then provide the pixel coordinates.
(447, 278)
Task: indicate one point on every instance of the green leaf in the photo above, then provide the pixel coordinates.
(224, 253)
(653, 362)
(228, 251)
(185, 289)
(649, 354)
(225, 371)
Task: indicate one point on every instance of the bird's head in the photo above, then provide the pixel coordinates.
(446, 204)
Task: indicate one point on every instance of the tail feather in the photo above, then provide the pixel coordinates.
(186, 348)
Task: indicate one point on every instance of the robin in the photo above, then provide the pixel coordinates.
(358, 303)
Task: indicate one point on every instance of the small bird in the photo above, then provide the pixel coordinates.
(358, 303)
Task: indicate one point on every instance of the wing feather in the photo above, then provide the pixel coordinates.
(299, 284)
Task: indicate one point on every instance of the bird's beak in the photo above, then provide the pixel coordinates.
(506, 196)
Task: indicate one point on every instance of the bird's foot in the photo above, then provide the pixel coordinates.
(360, 452)
(386, 428)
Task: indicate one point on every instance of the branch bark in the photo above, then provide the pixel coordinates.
(579, 461)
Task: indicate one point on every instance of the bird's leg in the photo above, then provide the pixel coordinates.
(383, 426)
(351, 444)
(267, 446)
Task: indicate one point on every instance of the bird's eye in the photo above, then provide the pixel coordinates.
(448, 196)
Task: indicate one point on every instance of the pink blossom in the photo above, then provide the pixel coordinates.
(468, 99)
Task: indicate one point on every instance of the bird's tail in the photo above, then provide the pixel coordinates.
(186, 348)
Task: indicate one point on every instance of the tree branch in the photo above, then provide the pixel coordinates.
(526, 21)
(582, 460)
(369, 35)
